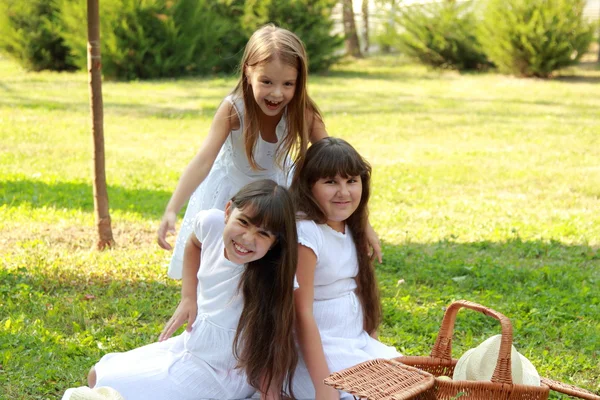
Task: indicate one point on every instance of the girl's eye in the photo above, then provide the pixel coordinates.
(289, 84)
(266, 82)
(352, 180)
(264, 234)
(242, 221)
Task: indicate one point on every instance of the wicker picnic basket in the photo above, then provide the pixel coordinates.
(416, 378)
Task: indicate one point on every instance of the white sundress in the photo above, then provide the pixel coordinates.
(198, 364)
(336, 308)
(229, 173)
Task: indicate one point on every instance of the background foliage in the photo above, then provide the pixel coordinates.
(156, 38)
(535, 37)
(147, 39)
(30, 32)
(441, 34)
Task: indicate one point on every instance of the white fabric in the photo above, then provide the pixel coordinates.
(229, 173)
(337, 264)
(337, 310)
(198, 364)
(97, 393)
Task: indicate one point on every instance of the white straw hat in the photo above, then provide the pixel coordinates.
(99, 393)
(478, 364)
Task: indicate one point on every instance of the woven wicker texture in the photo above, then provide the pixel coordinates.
(382, 380)
(570, 389)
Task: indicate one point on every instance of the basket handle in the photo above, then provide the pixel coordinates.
(443, 344)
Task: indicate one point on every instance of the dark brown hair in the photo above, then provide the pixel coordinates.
(265, 45)
(264, 342)
(328, 158)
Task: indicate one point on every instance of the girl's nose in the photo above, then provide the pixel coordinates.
(248, 237)
(343, 189)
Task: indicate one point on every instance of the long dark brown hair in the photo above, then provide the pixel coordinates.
(328, 158)
(265, 45)
(264, 342)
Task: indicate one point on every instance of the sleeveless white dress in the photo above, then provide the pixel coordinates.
(230, 172)
(195, 365)
(336, 308)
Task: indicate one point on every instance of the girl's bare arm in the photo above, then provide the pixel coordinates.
(197, 170)
(188, 307)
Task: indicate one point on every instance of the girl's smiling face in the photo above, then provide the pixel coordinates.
(244, 242)
(338, 197)
(273, 85)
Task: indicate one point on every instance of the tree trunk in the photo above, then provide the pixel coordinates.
(105, 236)
(352, 44)
(365, 17)
(390, 25)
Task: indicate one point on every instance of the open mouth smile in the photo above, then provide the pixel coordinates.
(272, 105)
(240, 249)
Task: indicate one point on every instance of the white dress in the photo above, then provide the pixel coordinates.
(198, 364)
(336, 308)
(229, 173)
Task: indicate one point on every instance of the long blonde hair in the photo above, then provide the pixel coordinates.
(265, 45)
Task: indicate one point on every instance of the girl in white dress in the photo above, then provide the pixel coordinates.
(237, 299)
(258, 132)
(337, 304)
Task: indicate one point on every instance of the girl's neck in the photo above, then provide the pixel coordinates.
(338, 226)
(267, 126)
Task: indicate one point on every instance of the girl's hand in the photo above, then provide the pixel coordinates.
(167, 226)
(374, 243)
(186, 311)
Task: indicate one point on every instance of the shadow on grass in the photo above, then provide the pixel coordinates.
(114, 109)
(17, 98)
(578, 79)
(79, 196)
(326, 78)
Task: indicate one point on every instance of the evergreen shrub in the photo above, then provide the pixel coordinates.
(146, 39)
(30, 33)
(535, 37)
(441, 35)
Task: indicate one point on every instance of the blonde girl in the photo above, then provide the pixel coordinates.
(237, 300)
(337, 304)
(264, 124)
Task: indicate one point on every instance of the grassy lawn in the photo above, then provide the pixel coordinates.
(486, 188)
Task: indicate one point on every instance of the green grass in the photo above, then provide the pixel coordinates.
(486, 188)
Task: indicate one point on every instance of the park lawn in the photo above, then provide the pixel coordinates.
(485, 188)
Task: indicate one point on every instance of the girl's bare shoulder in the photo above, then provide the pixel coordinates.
(227, 112)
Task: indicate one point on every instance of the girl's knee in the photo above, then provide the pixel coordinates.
(91, 378)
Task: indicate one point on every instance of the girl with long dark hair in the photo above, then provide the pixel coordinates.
(237, 300)
(337, 304)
